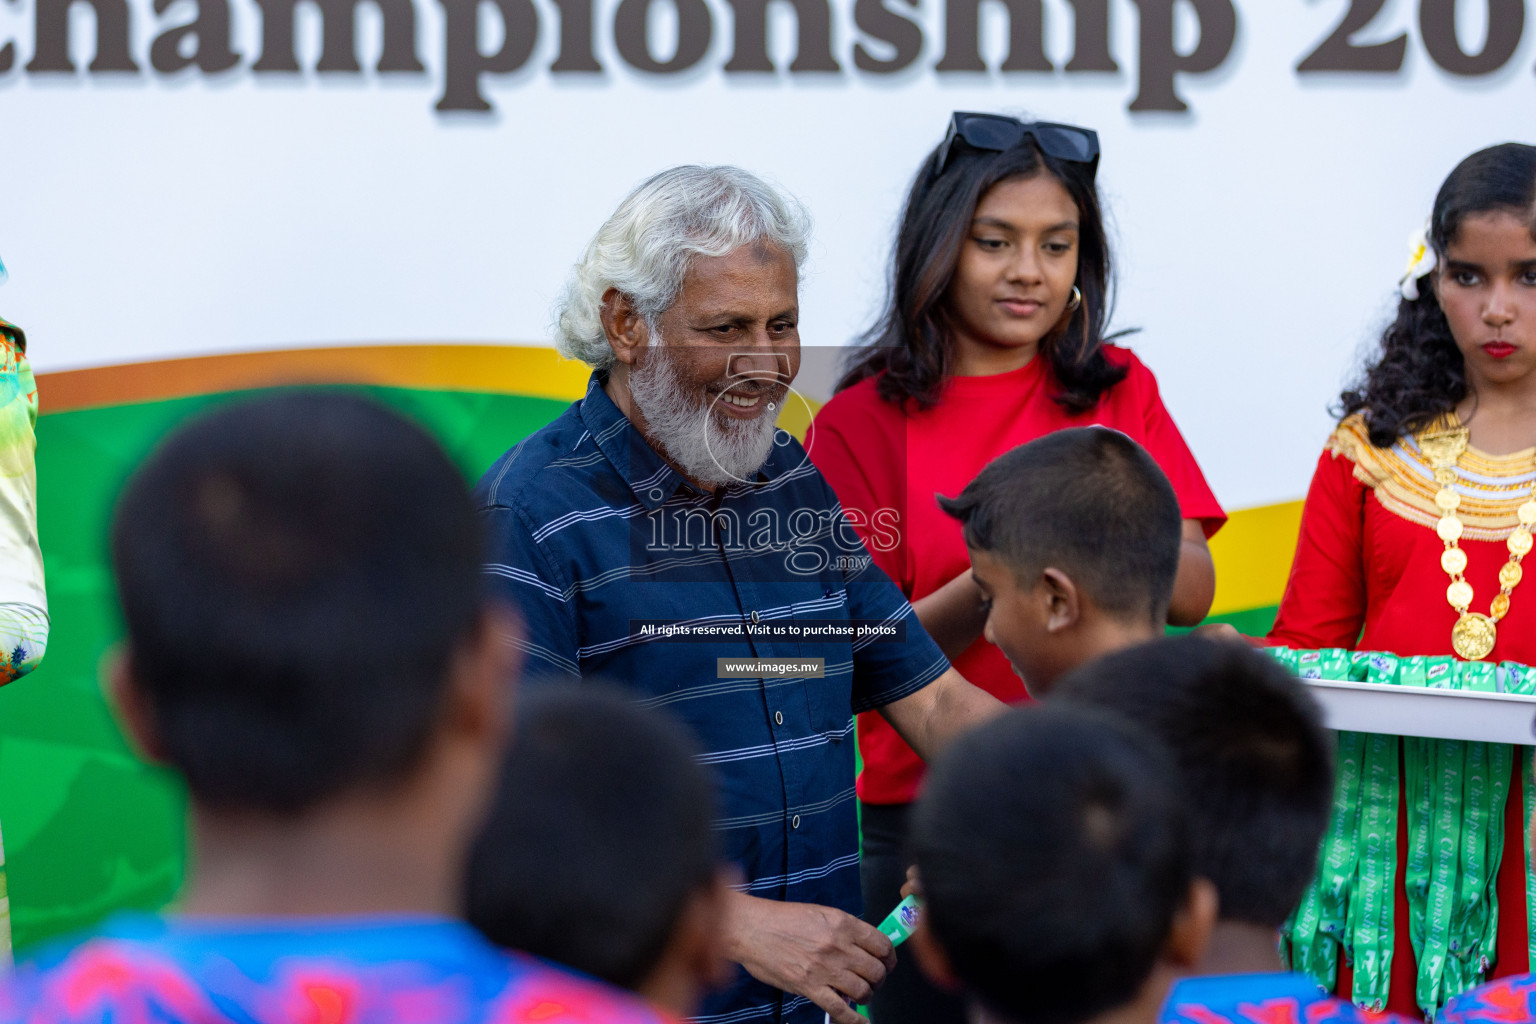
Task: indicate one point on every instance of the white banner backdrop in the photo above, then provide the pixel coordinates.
(149, 210)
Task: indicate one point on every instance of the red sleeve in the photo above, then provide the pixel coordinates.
(1324, 602)
(859, 448)
(1164, 442)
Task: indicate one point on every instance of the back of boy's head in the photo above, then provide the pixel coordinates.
(600, 833)
(296, 572)
(1088, 501)
(1256, 764)
(1053, 852)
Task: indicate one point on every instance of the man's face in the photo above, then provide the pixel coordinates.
(713, 379)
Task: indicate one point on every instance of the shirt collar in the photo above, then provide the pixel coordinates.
(650, 477)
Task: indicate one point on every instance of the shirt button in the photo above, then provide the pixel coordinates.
(778, 718)
(754, 617)
(794, 822)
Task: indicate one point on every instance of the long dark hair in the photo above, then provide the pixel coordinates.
(1419, 373)
(910, 347)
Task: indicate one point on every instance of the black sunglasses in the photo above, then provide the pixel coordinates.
(997, 133)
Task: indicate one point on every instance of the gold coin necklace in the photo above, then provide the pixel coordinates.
(1474, 634)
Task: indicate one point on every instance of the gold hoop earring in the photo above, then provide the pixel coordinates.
(1077, 299)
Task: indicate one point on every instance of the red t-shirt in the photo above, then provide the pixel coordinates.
(877, 457)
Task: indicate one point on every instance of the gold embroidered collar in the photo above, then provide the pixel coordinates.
(1492, 487)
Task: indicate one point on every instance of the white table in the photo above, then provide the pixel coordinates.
(1420, 711)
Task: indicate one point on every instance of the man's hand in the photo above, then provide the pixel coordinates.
(823, 954)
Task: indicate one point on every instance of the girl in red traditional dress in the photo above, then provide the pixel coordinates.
(993, 336)
(1420, 509)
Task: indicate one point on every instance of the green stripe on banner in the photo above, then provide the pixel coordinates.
(1251, 622)
(88, 828)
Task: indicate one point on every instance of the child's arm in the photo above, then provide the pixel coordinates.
(1194, 588)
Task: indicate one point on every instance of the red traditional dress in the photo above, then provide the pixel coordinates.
(1367, 575)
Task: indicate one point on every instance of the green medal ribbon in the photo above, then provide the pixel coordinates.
(1501, 757)
(1528, 788)
(1419, 803)
(1468, 917)
(1456, 792)
(1447, 759)
(1377, 846)
(1322, 922)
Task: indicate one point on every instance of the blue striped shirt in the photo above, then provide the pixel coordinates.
(592, 533)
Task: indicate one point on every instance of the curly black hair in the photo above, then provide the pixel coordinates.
(910, 347)
(1419, 373)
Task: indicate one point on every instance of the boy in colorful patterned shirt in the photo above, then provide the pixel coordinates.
(23, 602)
(310, 647)
(1257, 769)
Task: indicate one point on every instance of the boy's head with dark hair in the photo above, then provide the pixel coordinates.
(1053, 851)
(1074, 541)
(599, 851)
(1256, 764)
(306, 627)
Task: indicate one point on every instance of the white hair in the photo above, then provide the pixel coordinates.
(645, 249)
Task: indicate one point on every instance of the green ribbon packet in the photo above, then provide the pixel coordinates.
(1285, 656)
(1517, 678)
(1335, 664)
(1381, 668)
(1440, 672)
(901, 922)
(1480, 676)
(1309, 664)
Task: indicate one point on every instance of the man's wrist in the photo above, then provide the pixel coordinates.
(739, 908)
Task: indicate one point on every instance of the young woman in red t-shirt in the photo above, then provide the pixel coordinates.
(994, 335)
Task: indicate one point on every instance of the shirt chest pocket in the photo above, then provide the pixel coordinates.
(829, 694)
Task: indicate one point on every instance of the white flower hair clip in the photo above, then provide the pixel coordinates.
(1419, 264)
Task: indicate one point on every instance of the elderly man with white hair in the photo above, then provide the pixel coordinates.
(664, 534)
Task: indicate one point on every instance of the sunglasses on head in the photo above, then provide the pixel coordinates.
(997, 133)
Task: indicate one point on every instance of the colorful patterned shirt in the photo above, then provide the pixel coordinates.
(406, 970)
(1273, 998)
(1506, 1000)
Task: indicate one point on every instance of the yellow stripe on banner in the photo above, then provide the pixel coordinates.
(507, 369)
(536, 372)
(1253, 554)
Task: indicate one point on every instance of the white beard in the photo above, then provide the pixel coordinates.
(689, 434)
